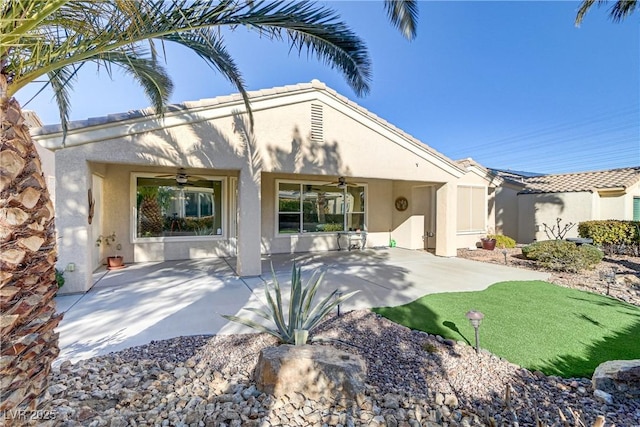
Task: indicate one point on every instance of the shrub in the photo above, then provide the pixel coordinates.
(59, 278)
(502, 241)
(613, 235)
(561, 255)
(300, 314)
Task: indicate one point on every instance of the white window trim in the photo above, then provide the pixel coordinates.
(169, 239)
(279, 235)
(485, 205)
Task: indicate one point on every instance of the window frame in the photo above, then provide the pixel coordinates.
(168, 239)
(485, 210)
(301, 183)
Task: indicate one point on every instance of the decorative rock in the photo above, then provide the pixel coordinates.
(56, 389)
(439, 399)
(618, 378)
(180, 372)
(603, 396)
(451, 400)
(315, 371)
(391, 401)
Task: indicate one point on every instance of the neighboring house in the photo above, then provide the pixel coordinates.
(201, 182)
(525, 203)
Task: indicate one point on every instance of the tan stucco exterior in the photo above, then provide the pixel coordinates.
(212, 138)
(523, 215)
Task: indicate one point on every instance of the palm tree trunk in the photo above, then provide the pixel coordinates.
(27, 267)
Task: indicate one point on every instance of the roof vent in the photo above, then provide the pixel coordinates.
(317, 124)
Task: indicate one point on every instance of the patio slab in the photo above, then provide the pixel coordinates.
(155, 301)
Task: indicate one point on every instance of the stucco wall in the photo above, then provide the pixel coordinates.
(506, 212)
(613, 206)
(618, 205)
(216, 141)
(537, 209)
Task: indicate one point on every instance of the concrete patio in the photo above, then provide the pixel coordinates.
(155, 301)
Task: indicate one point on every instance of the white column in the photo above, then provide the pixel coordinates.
(446, 217)
(249, 223)
(73, 179)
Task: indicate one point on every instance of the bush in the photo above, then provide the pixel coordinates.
(613, 235)
(561, 255)
(502, 241)
(59, 278)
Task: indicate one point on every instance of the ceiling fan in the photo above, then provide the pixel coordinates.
(182, 178)
(342, 182)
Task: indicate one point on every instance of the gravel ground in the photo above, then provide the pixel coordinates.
(413, 379)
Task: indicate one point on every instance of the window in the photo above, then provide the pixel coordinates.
(636, 208)
(166, 209)
(316, 207)
(472, 209)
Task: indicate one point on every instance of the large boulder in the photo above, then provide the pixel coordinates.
(313, 370)
(619, 378)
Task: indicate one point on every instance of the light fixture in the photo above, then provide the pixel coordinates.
(475, 318)
(342, 182)
(609, 277)
(181, 178)
(338, 296)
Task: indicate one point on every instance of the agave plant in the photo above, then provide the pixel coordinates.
(300, 314)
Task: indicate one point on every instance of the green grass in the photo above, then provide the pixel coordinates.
(537, 325)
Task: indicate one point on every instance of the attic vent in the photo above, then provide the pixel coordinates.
(317, 127)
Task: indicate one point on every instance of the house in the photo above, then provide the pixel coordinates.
(202, 182)
(524, 204)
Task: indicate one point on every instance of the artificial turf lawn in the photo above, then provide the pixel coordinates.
(535, 324)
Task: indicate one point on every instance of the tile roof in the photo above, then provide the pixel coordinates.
(581, 181)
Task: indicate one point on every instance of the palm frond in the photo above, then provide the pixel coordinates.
(316, 30)
(37, 41)
(583, 9)
(209, 46)
(150, 75)
(60, 81)
(403, 14)
(619, 11)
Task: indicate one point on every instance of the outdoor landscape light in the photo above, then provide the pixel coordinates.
(339, 295)
(609, 277)
(475, 318)
(504, 252)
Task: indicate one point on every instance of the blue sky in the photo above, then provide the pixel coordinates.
(514, 85)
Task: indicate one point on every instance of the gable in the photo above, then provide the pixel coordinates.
(306, 128)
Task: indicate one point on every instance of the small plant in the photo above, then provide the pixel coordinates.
(430, 347)
(106, 240)
(502, 241)
(300, 314)
(557, 232)
(561, 255)
(59, 277)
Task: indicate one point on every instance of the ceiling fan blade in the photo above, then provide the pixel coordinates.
(197, 177)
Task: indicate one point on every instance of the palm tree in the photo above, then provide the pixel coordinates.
(52, 40)
(620, 9)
